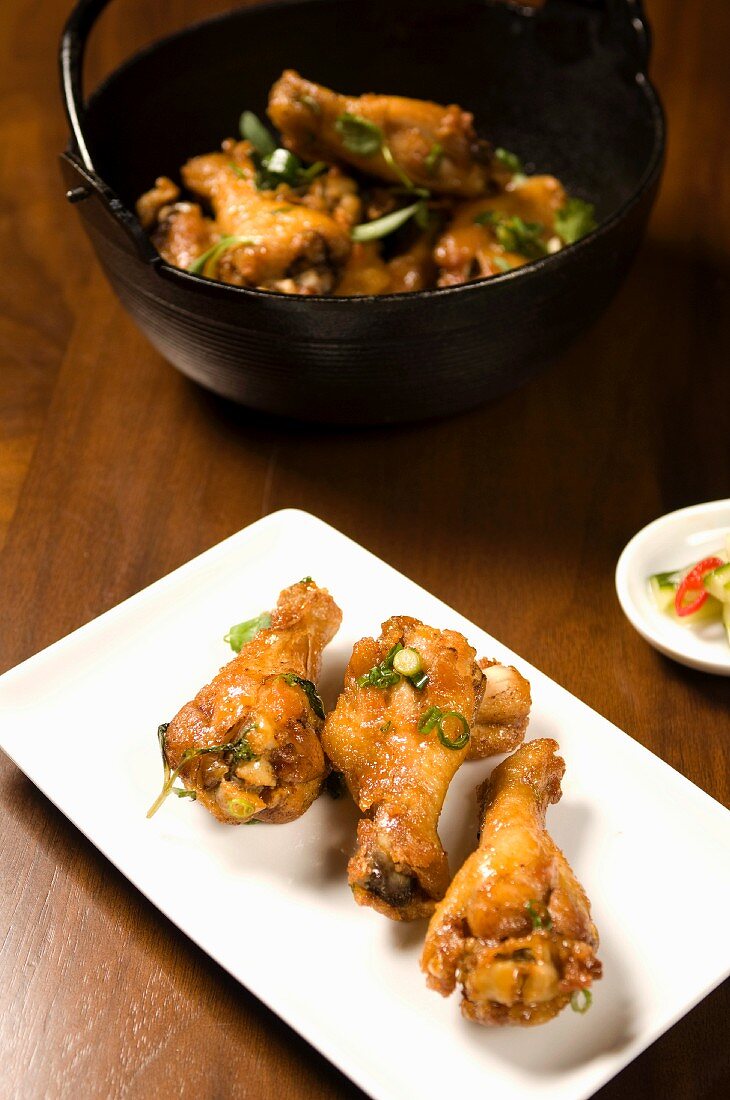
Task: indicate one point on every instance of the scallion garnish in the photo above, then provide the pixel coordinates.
(386, 674)
(207, 264)
(581, 1000)
(306, 580)
(381, 227)
(309, 690)
(239, 751)
(575, 220)
(434, 157)
(253, 130)
(437, 718)
(514, 234)
(510, 161)
(359, 136)
(539, 915)
(242, 633)
(407, 661)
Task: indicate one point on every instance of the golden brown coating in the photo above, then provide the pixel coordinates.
(281, 244)
(504, 712)
(278, 768)
(436, 146)
(183, 234)
(470, 249)
(397, 773)
(515, 927)
(151, 203)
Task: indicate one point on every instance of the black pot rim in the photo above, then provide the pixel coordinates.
(476, 286)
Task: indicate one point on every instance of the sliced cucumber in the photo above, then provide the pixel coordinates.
(663, 590)
(717, 583)
(726, 619)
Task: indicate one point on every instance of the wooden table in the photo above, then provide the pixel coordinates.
(115, 470)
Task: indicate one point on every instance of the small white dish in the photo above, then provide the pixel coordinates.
(344, 977)
(672, 542)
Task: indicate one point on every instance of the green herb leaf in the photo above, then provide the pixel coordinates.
(386, 727)
(253, 130)
(183, 792)
(434, 158)
(575, 220)
(334, 784)
(213, 255)
(581, 1000)
(514, 234)
(283, 165)
(359, 136)
(309, 690)
(306, 580)
(539, 915)
(306, 175)
(381, 227)
(502, 263)
(510, 161)
(239, 751)
(242, 633)
(395, 167)
(382, 675)
(429, 719)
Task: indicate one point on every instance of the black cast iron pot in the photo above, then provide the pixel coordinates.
(564, 87)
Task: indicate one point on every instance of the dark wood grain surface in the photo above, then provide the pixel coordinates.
(115, 470)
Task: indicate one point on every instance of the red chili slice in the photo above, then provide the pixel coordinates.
(693, 583)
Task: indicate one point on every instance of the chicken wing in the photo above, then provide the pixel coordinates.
(278, 243)
(435, 146)
(515, 927)
(398, 746)
(504, 712)
(248, 745)
(501, 231)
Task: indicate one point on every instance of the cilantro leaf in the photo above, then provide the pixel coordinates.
(575, 220)
(242, 633)
(359, 136)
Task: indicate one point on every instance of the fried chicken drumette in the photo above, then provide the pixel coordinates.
(515, 928)
(248, 745)
(398, 740)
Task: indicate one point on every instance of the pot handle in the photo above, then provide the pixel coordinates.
(626, 18)
(73, 48)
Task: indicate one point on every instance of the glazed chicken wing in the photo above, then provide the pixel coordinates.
(500, 232)
(504, 712)
(280, 243)
(515, 927)
(248, 745)
(435, 146)
(398, 748)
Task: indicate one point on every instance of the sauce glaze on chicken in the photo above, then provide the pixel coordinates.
(365, 195)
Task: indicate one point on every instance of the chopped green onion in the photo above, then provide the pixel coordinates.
(242, 633)
(359, 136)
(436, 717)
(207, 264)
(306, 580)
(395, 167)
(514, 234)
(309, 690)
(510, 161)
(382, 675)
(502, 263)
(461, 739)
(239, 806)
(407, 661)
(306, 175)
(253, 130)
(183, 792)
(434, 158)
(419, 681)
(539, 915)
(381, 227)
(581, 1000)
(575, 220)
(283, 164)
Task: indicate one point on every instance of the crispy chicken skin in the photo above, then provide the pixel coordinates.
(469, 250)
(151, 203)
(436, 146)
(183, 233)
(504, 712)
(397, 774)
(285, 768)
(515, 927)
(286, 245)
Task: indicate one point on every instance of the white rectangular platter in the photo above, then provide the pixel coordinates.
(647, 844)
